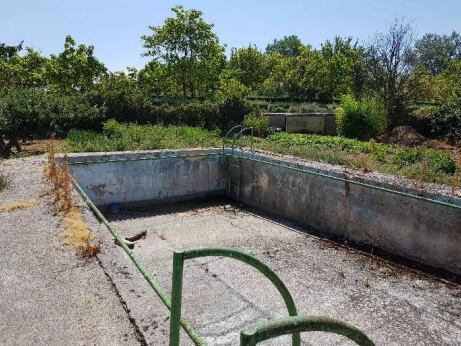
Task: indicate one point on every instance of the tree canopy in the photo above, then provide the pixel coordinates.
(189, 49)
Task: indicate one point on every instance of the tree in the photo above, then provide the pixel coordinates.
(189, 49)
(247, 64)
(7, 52)
(230, 88)
(287, 46)
(435, 51)
(391, 60)
(338, 69)
(155, 79)
(75, 68)
(281, 76)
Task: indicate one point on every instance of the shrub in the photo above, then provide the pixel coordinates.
(131, 105)
(30, 113)
(22, 116)
(409, 156)
(117, 136)
(446, 121)
(259, 123)
(362, 119)
(441, 162)
(73, 112)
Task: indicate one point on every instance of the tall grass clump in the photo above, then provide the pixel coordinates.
(362, 119)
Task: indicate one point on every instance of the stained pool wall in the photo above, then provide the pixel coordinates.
(419, 230)
(137, 178)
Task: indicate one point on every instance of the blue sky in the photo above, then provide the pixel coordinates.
(114, 27)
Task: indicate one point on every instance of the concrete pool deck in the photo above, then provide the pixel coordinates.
(392, 304)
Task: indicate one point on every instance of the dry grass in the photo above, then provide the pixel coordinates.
(77, 233)
(18, 205)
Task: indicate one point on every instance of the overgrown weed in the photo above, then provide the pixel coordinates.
(77, 233)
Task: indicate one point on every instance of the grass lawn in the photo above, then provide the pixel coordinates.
(418, 163)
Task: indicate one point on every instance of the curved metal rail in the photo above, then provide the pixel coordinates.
(235, 134)
(178, 266)
(271, 329)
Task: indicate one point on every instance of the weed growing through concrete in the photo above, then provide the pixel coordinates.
(77, 233)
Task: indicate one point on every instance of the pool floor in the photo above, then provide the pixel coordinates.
(392, 304)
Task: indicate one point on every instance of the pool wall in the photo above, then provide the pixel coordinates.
(406, 223)
(148, 177)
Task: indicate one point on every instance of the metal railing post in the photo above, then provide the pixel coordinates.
(176, 298)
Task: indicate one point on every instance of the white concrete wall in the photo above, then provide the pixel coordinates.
(146, 181)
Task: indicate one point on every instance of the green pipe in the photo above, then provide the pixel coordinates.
(272, 329)
(198, 340)
(180, 256)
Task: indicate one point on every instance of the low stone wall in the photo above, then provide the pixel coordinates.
(277, 120)
(414, 229)
(320, 123)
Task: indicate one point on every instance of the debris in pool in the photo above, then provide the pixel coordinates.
(130, 241)
(137, 236)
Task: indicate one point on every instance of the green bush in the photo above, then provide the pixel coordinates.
(132, 106)
(361, 119)
(446, 121)
(259, 123)
(409, 156)
(441, 162)
(30, 113)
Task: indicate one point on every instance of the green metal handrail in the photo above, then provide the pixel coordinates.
(178, 267)
(272, 329)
